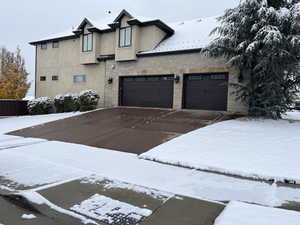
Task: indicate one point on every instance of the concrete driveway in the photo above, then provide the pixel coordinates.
(134, 130)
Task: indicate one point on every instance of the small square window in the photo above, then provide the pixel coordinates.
(44, 46)
(55, 44)
(79, 79)
(42, 78)
(54, 77)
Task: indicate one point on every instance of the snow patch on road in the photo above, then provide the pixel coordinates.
(111, 211)
(28, 216)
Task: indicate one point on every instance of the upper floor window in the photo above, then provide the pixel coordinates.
(87, 44)
(44, 46)
(55, 44)
(125, 37)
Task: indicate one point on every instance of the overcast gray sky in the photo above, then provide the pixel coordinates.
(22, 21)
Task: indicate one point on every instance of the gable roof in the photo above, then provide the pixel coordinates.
(121, 14)
(83, 23)
(186, 35)
(106, 25)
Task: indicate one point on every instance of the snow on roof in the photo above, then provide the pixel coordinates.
(101, 24)
(67, 33)
(192, 34)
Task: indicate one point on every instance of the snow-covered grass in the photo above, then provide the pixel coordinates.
(294, 115)
(49, 162)
(264, 149)
(237, 213)
(20, 122)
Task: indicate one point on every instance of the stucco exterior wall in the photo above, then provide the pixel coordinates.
(170, 64)
(108, 43)
(65, 62)
(150, 37)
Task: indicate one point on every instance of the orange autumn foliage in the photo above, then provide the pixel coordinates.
(13, 75)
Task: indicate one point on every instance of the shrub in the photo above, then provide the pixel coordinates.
(71, 103)
(43, 105)
(59, 103)
(66, 103)
(88, 100)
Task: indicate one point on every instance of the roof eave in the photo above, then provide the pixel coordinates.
(53, 39)
(173, 52)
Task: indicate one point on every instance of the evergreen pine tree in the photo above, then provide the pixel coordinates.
(261, 38)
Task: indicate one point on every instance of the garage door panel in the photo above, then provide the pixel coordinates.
(150, 91)
(206, 91)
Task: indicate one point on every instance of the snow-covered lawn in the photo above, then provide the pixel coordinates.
(264, 149)
(237, 213)
(295, 115)
(49, 162)
(19, 122)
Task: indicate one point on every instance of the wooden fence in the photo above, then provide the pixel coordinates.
(13, 107)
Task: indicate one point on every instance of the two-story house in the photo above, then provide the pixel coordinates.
(140, 62)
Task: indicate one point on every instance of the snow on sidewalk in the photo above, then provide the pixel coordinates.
(237, 213)
(27, 170)
(12, 143)
(265, 149)
(53, 161)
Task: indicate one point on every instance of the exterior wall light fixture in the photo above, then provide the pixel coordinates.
(177, 79)
(110, 80)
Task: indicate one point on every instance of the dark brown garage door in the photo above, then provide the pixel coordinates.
(206, 91)
(147, 91)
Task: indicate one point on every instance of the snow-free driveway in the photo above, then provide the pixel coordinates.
(133, 130)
